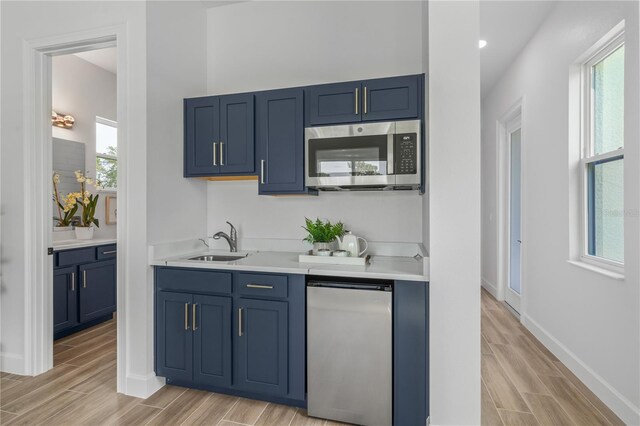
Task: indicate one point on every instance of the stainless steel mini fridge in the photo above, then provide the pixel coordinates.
(349, 351)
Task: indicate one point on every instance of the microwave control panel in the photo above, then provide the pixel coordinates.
(405, 154)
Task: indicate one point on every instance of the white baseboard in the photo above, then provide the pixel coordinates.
(624, 408)
(143, 386)
(12, 363)
(490, 288)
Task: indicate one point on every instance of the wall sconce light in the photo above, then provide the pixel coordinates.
(64, 121)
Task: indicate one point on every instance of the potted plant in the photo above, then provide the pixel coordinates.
(88, 202)
(66, 211)
(322, 234)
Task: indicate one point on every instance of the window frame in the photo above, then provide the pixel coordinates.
(111, 123)
(588, 158)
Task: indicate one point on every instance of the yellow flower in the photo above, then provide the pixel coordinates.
(86, 201)
(90, 181)
(66, 209)
(56, 178)
(81, 179)
(87, 193)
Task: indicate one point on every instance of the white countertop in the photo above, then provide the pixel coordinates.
(380, 267)
(72, 244)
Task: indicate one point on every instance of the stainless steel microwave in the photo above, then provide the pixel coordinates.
(365, 156)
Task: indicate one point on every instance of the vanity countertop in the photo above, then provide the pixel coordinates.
(73, 244)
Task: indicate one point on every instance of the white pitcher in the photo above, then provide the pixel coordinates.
(351, 243)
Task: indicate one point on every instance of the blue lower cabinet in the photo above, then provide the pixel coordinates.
(97, 289)
(174, 337)
(65, 298)
(262, 346)
(211, 325)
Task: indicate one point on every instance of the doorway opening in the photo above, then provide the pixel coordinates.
(85, 193)
(510, 131)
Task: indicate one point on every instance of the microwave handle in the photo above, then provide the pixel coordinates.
(390, 152)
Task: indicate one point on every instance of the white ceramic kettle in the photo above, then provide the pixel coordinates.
(351, 243)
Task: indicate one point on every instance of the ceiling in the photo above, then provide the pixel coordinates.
(104, 58)
(507, 26)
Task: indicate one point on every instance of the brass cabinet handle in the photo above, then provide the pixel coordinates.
(193, 317)
(110, 252)
(221, 154)
(262, 171)
(215, 151)
(84, 279)
(73, 281)
(259, 286)
(356, 100)
(240, 322)
(186, 316)
(365, 99)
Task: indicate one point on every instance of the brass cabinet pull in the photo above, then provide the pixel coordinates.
(110, 252)
(186, 316)
(73, 281)
(221, 154)
(240, 322)
(356, 101)
(262, 171)
(365, 99)
(215, 151)
(259, 286)
(84, 279)
(193, 317)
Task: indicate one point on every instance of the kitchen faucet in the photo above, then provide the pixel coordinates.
(233, 240)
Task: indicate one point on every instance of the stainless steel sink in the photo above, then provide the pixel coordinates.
(219, 257)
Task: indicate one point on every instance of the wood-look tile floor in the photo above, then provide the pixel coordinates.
(81, 390)
(522, 384)
(525, 384)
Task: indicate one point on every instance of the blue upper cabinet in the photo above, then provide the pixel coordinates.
(262, 346)
(236, 144)
(201, 136)
(333, 103)
(280, 133)
(219, 135)
(392, 98)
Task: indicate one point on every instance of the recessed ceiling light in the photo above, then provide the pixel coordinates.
(482, 43)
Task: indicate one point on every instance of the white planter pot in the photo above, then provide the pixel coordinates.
(324, 246)
(84, 232)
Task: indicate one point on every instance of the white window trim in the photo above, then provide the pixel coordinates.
(603, 48)
(106, 122)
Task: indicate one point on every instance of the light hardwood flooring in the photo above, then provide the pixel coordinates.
(522, 384)
(81, 390)
(525, 384)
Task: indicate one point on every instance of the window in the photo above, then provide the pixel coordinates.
(107, 153)
(603, 154)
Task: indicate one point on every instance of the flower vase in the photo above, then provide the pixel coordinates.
(84, 232)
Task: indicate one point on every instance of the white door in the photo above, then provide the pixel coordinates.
(514, 289)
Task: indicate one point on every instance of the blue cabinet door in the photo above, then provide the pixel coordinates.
(334, 103)
(236, 146)
(262, 346)
(391, 98)
(280, 129)
(201, 136)
(174, 337)
(65, 298)
(211, 317)
(97, 289)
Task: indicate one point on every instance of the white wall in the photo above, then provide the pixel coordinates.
(84, 90)
(591, 322)
(24, 21)
(454, 168)
(176, 59)
(265, 45)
